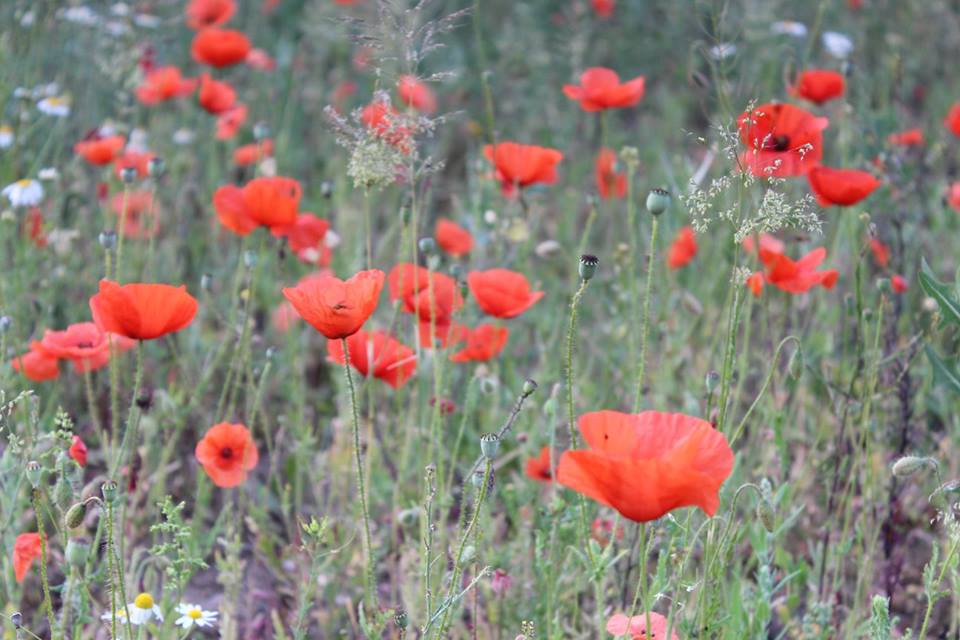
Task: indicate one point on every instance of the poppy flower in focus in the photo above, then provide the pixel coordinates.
(139, 161)
(376, 353)
(908, 138)
(414, 93)
(485, 342)
(782, 140)
(539, 468)
(164, 83)
(230, 121)
(142, 220)
(252, 153)
(952, 121)
(78, 451)
(202, 14)
(453, 238)
(683, 249)
(620, 625)
(600, 89)
(220, 47)
(270, 202)
(227, 453)
(521, 165)
(334, 307)
(306, 238)
(818, 85)
(610, 183)
(799, 276)
(141, 311)
(386, 122)
(881, 253)
(645, 465)
(26, 549)
(100, 151)
(502, 293)
(215, 96)
(603, 8)
(953, 196)
(899, 284)
(840, 187)
(36, 364)
(755, 283)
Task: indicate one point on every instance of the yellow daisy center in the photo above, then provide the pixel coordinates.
(144, 601)
(196, 614)
(57, 101)
(26, 182)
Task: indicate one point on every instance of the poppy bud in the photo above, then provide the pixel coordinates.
(109, 491)
(408, 517)
(5, 323)
(428, 246)
(249, 259)
(529, 386)
(156, 167)
(588, 266)
(456, 271)
(326, 189)
(488, 385)
(400, 618)
(711, 380)
(909, 465)
(17, 619)
(75, 515)
(658, 201)
(128, 175)
(489, 445)
(261, 131)
(34, 472)
(433, 262)
(108, 239)
(766, 514)
(206, 280)
(76, 552)
(468, 553)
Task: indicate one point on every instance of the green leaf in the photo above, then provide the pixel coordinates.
(940, 292)
(943, 370)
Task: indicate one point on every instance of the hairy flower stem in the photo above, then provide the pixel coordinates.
(92, 408)
(129, 431)
(47, 601)
(571, 416)
(369, 586)
(645, 322)
(643, 581)
(947, 562)
(121, 227)
(734, 320)
(116, 571)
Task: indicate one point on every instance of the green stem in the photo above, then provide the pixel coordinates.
(129, 431)
(121, 227)
(645, 322)
(47, 601)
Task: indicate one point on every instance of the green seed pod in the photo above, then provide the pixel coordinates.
(658, 201)
(529, 386)
(128, 175)
(109, 491)
(428, 246)
(34, 473)
(77, 552)
(489, 445)
(883, 284)
(408, 517)
(588, 267)
(75, 515)
(108, 239)
(710, 381)
(156, 167)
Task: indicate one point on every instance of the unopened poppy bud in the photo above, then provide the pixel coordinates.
(658, 201)
(5, 323)
(433, 262)
(400, 618)
(128, 175)
(408, 517)
(109, 491)
(77, 552)
(17, 619)
(326, 189)
(206, 280)
(261, 131)
(909, 465)
(488, 385)
(529, 386)
(588, 266)
(766, 514)
(883, 284)
(489, 445)
(456, 271)
(249, 259)
(34, 472)
(428, 246)
(710, 381)
(468, 553)
(108, 239)
(75, 515)
(156, 167)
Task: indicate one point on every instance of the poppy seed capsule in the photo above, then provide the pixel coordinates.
(108, 239)
(489, 445)
(5, 323)
(588, 266)
(529, 386)
(658, 201)
(261, 131)
(75, 515)
(206, 280)
(17, 619)
(109, 491)
(34, 471)
(428, 246)
(710, 381)
(128, 175)
(156, 167)
(400, 618)
(909, 465)
(326, 189)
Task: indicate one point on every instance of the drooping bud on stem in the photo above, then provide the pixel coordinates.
(909, 465)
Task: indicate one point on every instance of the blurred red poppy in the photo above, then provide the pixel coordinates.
(411, 285)
(484, 342)
(230, 121)
(840, 187)
(953, 196)
(390, 360)
(600, 89)
(521, 165)
(603, 8)
(209, 13)
(269, 202)
(645, 465)
(306, 238)
(98, 150)
(610, 183)
(952, 121)
(141, 311)
(781, 139)
(908, 138)
(636, 627)
(80, 342)
(164, 83)
(142, 218)
(26, 549)
(818, 85)
(220, 47)
(799, 276)
(215, 96)
(502, 293)
(334, 307)
(683, 249)
(538, 468)
(78, 451)
(386, 122)
(252, 153)
(227, 453)
(34, 227)
(453, 238)
(881, 253)
(260, 60)
(416, 94)
(899, 284)
(36, 364)
(139, 161)
(755, 283)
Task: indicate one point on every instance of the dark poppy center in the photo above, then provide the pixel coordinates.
(84, 345)
(779, 143)
(226, 453)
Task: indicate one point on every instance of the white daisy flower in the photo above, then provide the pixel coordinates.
(48, 173)
(837, 44)
(121, 616)
(183, 137)
(143, 609)
(24, 193)
(55, 106)
(193, 615)
(789, 28)
(6, 136)
(28, 19)
(722, 50)
(80, 15)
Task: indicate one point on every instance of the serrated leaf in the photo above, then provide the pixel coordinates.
(943, 370)
(940, 292)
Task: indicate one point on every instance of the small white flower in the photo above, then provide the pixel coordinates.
(183, 137)
(121, 616)
(28, 19)
(23, 193)
(120, 9)
(193, 614)
(837, 44)
(789, 28)
(146, 21)
(48, 173)
(143, 609)
(55, 106)
(331, 239)
(80, 15)
(722, 50)
(6, 136)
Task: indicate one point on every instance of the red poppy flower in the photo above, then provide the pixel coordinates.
(952, 121)
(260, 60)
(202, 14)
(953, 196)
(230, 121)
(78, 451)
(502, 293)
(164, 83)
(881, 253)
(220, 47)
(781, 139)
(215, 96)
(34, 227)
(610, 183)
(36, 365)
(755, 283)
(600, 89)
(404, 281)
(603, 8)
(386, 122)
(142, 311)
(269, 202)
(79, 342)
(26, 549)
(252, 153)
(683, 249)
(539, 468)
(412, 286)
(100, 151)
(840, 187)
(645, 465)
(801, 275)
(306, 238)
(899, 284)
(602, 528)
(521, 165)
(453, 238)
(636, 626)
(818, 85)
(440, 334)
(416, 94)
(227, 453)
(484, 342)
(334, 307)
(139, 161)
(142, 218)
(392, 361)
(341, 93)
(908, 138)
